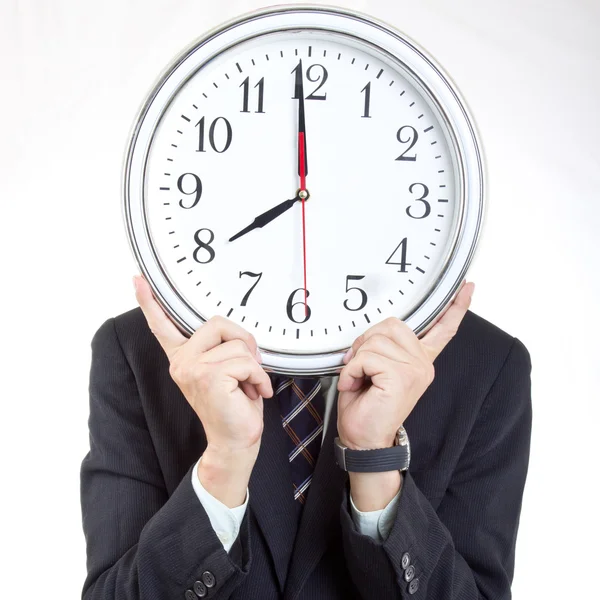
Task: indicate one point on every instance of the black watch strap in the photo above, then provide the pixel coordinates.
(395, 458)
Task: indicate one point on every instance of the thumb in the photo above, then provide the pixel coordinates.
(167, 334)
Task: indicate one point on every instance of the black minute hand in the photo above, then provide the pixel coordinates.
(299, 94)
(266, 217)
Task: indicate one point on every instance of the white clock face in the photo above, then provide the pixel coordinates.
(383, 208)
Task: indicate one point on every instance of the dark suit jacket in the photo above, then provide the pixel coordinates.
(149, 537)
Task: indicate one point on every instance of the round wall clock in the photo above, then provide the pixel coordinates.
(305, 172)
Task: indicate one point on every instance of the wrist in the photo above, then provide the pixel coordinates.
(225, 474)
(374, 491)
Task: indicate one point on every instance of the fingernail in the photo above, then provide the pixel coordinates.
(348, 355)
(258, 356)
(135, 282)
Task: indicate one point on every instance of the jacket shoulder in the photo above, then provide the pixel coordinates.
(480, 349)
(475, 329)
(131, 332)
(132, 321)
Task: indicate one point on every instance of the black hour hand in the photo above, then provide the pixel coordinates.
(266, 217)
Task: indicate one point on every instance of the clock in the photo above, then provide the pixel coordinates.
(305, 172)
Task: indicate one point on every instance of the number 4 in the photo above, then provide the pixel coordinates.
(403, 264)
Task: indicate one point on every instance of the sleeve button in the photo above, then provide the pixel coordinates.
(200, 589)
(405, 560)
(409, 573)
(413, 586)
(189, 595)
(209, 579)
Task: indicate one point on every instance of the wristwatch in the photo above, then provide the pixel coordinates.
(395, 458)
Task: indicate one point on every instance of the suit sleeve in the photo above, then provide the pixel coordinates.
(466, 549)
(141, 543)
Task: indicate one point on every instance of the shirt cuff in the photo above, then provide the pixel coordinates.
(224, 520)
(376, 523)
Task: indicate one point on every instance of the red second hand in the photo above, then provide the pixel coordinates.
(303, 188)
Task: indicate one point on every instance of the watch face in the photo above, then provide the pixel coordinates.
(384, 174)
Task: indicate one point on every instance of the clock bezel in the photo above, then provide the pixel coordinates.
(451, 108)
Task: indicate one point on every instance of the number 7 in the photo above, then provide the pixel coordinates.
(245, 298)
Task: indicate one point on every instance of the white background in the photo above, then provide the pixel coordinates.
(73, 76)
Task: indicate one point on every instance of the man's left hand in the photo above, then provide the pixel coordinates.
(388, 369)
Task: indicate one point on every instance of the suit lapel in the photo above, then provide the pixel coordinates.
(271, 492)
(321, 509)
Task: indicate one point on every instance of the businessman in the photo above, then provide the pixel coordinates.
(209, 478)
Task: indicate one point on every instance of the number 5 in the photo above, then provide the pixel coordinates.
(363, 294)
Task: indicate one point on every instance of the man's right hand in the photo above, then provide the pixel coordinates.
(218, 371)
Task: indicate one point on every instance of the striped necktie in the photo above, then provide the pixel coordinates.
(302, 405)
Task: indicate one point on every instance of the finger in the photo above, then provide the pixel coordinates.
(384, 346)
(218, 330)
(248, 370)
(167, 334)
(249, 390)
(393, 328)
(436, 339)
(364, 364)
(227, 351)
